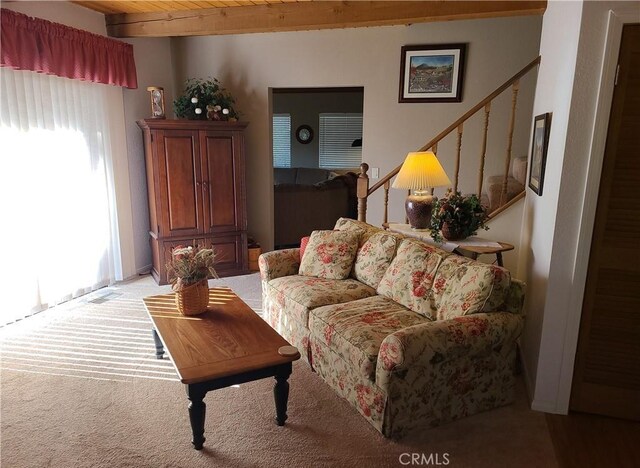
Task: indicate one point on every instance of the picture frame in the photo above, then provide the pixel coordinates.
(157, 102)
(432, 73)
(539, 145)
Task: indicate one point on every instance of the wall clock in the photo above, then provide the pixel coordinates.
(304, 134)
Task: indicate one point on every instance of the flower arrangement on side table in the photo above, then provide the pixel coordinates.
(187, 272)
(456, 217)
(205, 100)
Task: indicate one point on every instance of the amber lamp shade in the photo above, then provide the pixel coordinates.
(420, 172)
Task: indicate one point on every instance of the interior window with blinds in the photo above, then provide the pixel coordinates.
(340, 140)
(281, 140)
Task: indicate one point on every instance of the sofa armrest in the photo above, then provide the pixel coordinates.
(431, 343)
(279, 263)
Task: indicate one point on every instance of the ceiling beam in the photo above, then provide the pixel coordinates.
(309, 15)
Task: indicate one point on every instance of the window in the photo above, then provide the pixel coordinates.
(338, 133)
(56, 176)
(281, 140)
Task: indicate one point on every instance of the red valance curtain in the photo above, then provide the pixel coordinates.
(42, 46)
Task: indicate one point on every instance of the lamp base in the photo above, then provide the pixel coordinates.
(418, 207)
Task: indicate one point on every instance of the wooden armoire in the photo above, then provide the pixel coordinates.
(196, 188)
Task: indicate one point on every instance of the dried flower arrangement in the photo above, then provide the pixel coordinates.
(189, 265)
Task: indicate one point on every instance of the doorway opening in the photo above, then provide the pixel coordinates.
(317, 150)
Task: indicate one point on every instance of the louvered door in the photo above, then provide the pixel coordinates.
(607, 371)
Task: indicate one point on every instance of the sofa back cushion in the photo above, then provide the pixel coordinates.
(409, 278)
(330, 254)
(365, 230)
(374, 257)
(303, 245)
(311, 176)
(469, 288)
(284, 175)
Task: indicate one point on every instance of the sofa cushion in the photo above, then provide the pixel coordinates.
(474, 287)
(303, 245)
(444, 274)
(311, 176)
(330, 254)
(299, 294)
(365, 230)
(374, 257)
(409, 278)
(355, 330)
(284, 175)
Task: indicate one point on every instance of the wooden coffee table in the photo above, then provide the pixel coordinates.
(227, 345)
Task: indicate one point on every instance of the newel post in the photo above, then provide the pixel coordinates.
(362, 192)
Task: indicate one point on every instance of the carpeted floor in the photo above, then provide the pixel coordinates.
(80, 387)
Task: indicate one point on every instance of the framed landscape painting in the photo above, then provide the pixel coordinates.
(539, 144)
(432, 73)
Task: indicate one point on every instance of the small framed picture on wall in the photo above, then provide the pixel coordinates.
(539, 144)
(432, 73)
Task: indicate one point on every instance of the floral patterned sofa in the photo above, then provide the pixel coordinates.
(415, 337)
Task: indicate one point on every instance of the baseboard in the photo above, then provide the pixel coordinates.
(145, 270)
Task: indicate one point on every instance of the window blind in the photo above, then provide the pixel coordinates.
(337, 133)
(281, 140)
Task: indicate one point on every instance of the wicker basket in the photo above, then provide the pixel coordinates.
(193, 299)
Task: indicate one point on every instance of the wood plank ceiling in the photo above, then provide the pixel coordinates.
(196, 18)
(126, 6)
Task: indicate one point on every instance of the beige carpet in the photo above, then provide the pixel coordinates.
(80, 387)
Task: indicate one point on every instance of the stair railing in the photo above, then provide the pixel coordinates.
(363, 190)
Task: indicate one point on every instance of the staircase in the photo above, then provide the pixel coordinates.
(497, 192)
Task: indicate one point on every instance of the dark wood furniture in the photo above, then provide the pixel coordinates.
(196, 188)
(227, 345)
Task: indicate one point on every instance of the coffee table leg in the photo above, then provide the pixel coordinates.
(159, 345)
(197, 410)
(281, 393)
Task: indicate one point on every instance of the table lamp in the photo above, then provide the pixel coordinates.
(420, 172)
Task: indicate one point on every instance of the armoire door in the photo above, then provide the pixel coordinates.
(223, 182)
(607, 371)
(180, 183)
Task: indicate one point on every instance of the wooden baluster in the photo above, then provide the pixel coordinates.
(512, 122)
(362, 192)
(487, 110)
(434, 148)
(385, 218)
(457, 170)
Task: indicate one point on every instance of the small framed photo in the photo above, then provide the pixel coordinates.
(432, 73)
(157, 102)
(539, 144)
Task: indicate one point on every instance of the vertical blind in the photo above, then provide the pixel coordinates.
(337, 133)
(56, 187)
(281, 140)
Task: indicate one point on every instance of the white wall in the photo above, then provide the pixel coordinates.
(154, 68)
(572, 49)
(248, 65)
